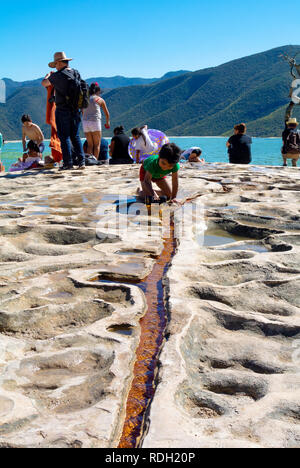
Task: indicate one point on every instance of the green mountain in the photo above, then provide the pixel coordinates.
(29, 97)
(209, 102)
(253, 89)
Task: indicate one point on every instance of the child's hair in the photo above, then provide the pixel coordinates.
(241, 128)
(119, 130)
(138, 133)
(94, 89)
(32, 146)
(171, 153)
(26, 118)
(197, 151)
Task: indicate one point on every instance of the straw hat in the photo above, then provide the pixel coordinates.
(292, 121)
(58, 57)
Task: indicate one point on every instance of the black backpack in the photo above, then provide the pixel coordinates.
(78, 91)
(292, 145)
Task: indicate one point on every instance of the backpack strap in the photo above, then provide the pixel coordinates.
(70, 74)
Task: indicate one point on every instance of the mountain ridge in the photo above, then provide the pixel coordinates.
(208, 102)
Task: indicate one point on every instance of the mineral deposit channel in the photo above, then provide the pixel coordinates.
(153, 326)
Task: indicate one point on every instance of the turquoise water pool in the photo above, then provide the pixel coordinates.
(265, 151)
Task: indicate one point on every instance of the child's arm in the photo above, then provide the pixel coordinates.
(148, 187)
(138, 154)
(175, 186)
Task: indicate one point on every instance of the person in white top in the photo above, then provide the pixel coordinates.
(143, 143)
(29, 159)
(193, 155)
(92, 120)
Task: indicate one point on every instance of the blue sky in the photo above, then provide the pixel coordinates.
(138, 38)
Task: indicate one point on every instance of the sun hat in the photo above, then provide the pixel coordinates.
(292, 121)
(58, 57)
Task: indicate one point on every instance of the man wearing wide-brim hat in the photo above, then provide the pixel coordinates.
(291, 142)
(67, 119)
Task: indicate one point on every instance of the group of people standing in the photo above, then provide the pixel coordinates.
(69, 117)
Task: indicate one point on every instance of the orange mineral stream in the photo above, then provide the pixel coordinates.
(153, 326)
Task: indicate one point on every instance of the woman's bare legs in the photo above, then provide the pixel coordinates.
(96, 144)
(90, 142)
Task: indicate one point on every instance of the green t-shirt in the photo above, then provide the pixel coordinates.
(151, 165)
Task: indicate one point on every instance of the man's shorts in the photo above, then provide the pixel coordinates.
(90, 126)
(143, 174)
(291, 156)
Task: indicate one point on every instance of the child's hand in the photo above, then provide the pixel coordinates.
(175, 201)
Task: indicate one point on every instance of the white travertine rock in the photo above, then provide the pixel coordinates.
(229, 370)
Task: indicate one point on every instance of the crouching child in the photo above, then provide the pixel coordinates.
(155, 170)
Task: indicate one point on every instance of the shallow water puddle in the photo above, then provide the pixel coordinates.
(59, 295)
(38, 213)
(229, 207)
(8, 212)
(130, 253)
(217, 236)
(123, 329)
(249, 247)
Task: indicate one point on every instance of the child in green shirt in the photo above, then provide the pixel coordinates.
(156, 168)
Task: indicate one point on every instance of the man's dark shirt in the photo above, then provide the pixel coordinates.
(240, 149)
(121, 142)
(60, 82)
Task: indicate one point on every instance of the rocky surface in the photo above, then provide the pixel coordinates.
(230, 369)
(70, 308)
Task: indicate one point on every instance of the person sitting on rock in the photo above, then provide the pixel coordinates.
(193, 155)
(156, 168)
(118, 149)
(31, 159)
(239, 146)
(32, 132)
(143, 142)
(291, 142)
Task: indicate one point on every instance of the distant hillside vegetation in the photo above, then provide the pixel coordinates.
(28, 97)
(208, 102)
